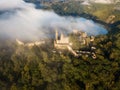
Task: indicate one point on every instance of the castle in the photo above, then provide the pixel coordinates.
(63, 42)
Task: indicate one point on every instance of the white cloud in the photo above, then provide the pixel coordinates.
(21, 20)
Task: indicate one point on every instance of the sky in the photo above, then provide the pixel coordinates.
(21, 20)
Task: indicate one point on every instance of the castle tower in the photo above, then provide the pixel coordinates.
(56, 35)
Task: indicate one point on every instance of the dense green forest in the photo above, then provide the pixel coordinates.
(38, 68)
(93, 11)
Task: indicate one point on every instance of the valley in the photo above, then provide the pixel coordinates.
(59, 46)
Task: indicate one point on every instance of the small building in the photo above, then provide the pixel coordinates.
(110, 19)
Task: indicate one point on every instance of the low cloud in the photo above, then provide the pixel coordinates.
(22, 20)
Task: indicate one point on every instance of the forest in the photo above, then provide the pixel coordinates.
(38, 68)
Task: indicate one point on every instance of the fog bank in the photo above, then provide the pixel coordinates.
(22, 20)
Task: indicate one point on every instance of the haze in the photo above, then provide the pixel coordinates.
(22, 20)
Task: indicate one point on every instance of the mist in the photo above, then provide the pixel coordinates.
(22, 20)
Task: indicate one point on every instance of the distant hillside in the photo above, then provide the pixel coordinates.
(98, 11)
(105, 1)
(91, 1)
